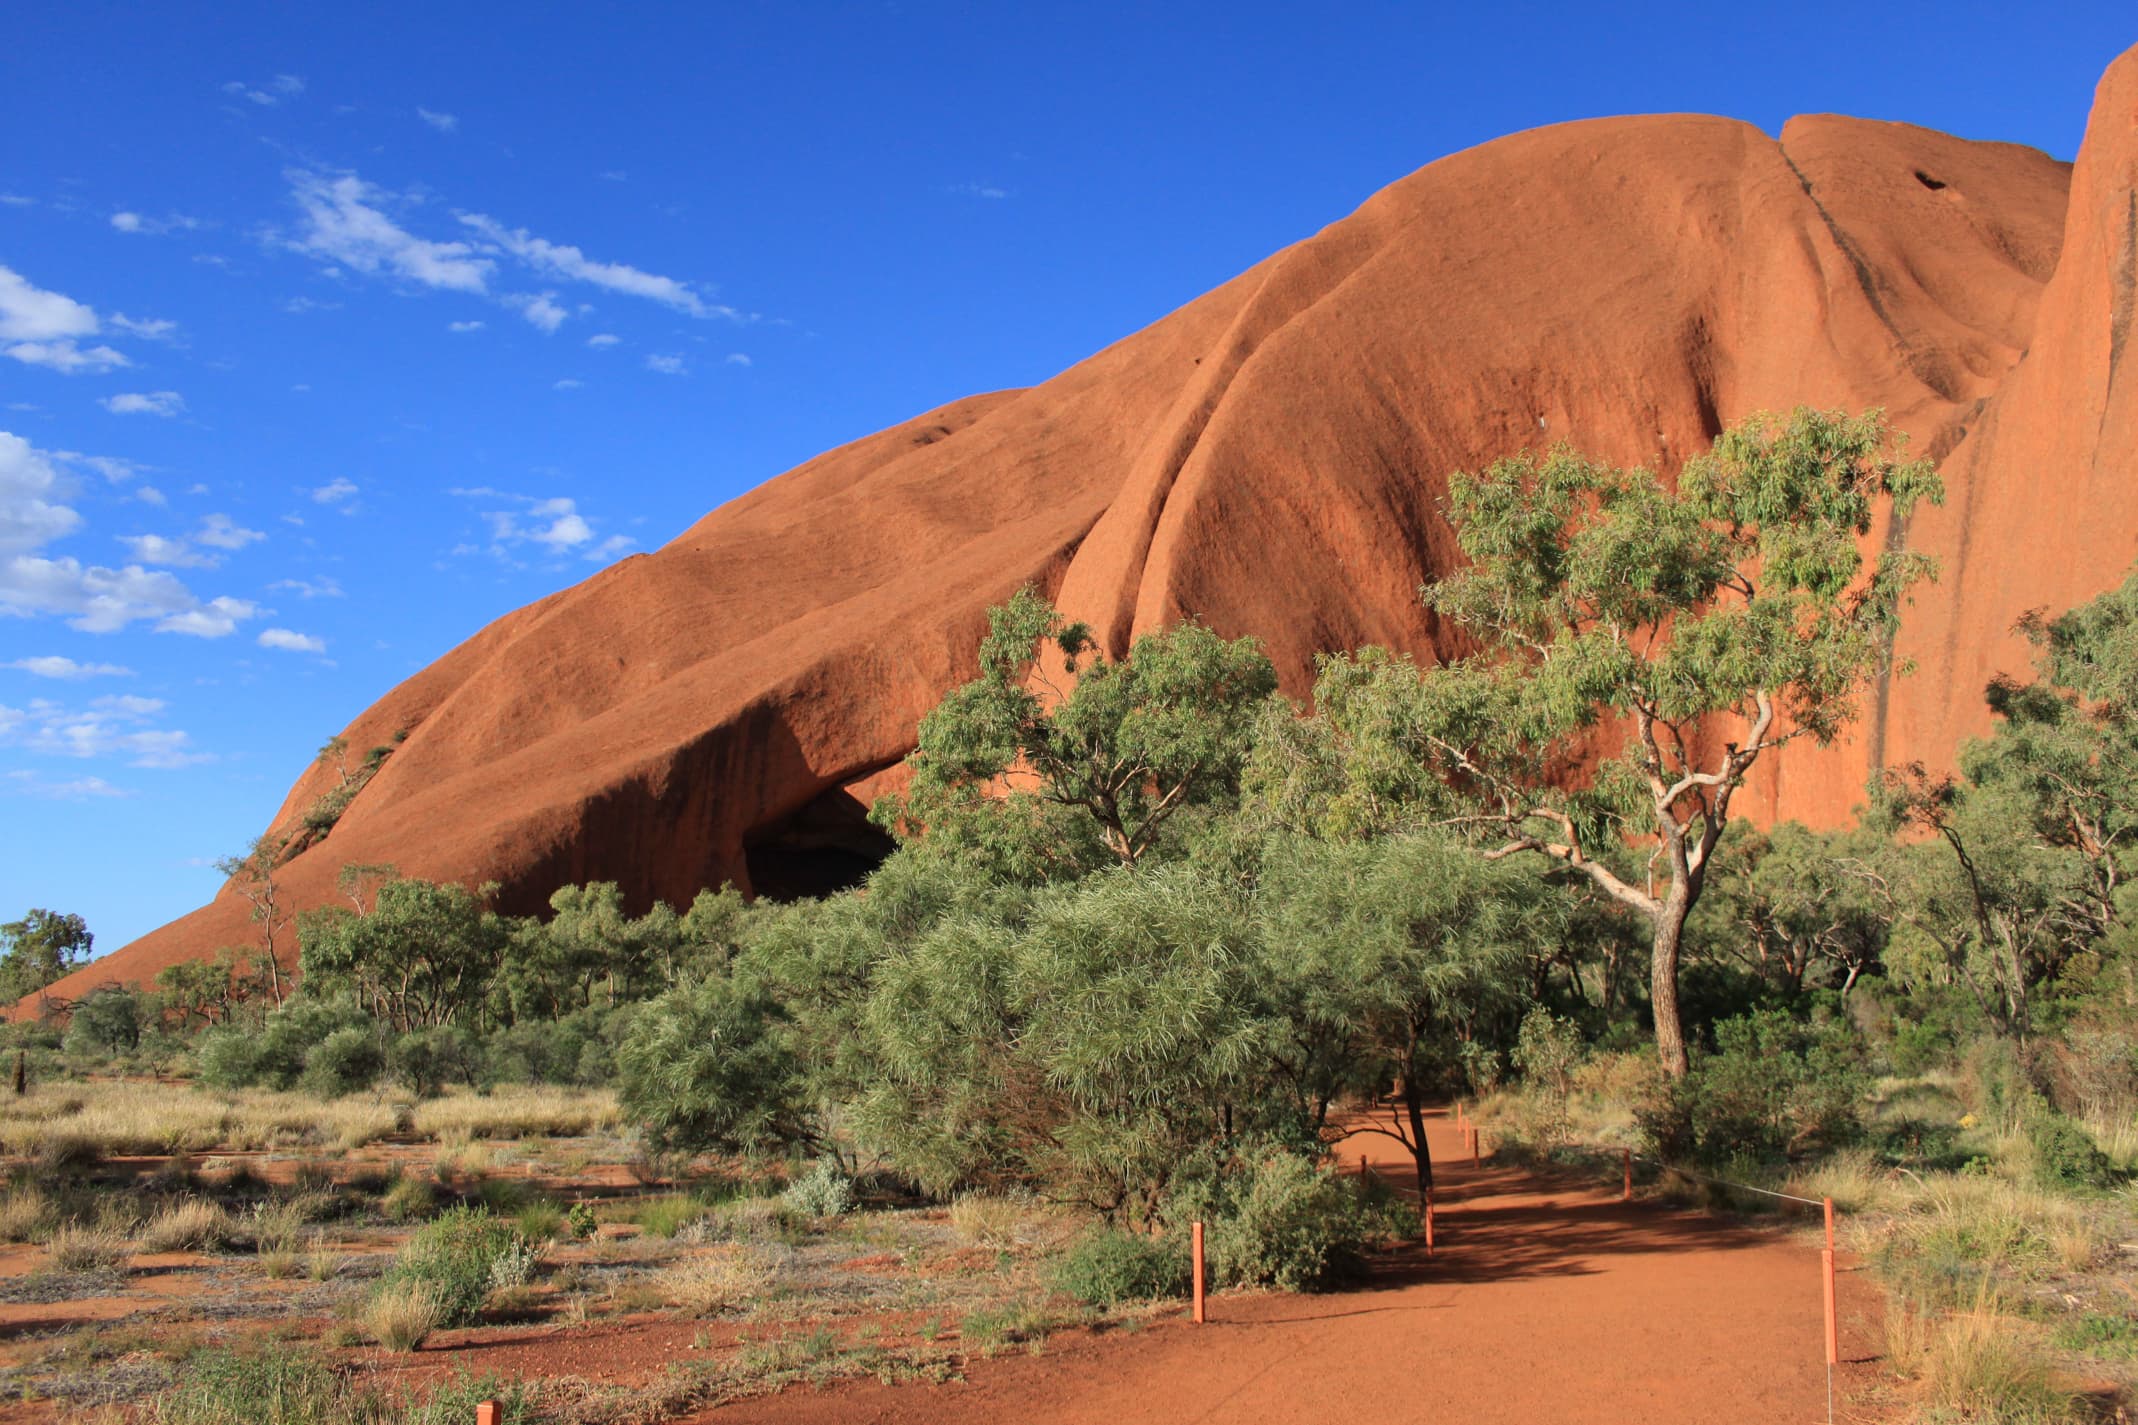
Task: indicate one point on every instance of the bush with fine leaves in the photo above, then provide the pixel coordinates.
(1106, 1267)
(456, 1258)
(1281, 1220)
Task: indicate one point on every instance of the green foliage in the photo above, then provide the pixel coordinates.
(346, 1061)
(275, 1385)
(1092, 757)
(1773, 1086)
(455, 1256)
(708, 1066)
(1547, 1050)
(824, 1191)
(1107, 1267)
(38, 949)
(2065, 1155)
(582, 1221)
(1280, 1220)
(425, 1061)
(106, 1021)
(421, 957)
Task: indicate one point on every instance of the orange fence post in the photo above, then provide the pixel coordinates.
(1833, 1325)
(1474, 1150)
(1429, 1222)
(489, 1413)
(1627, 1196)
(1198, 1273)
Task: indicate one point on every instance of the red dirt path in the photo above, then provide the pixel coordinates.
(1546, 1303)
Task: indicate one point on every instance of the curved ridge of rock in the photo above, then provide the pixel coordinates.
(1272, 457)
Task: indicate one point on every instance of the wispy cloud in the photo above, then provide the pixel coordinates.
(52, 665)
(291, 641)
(564, 261)
(568, 383)
(145, 403)
(148, 328)
(116, 726)
(665, 365)
(977, 190)
(541, 309)
(443, 123)
(551, 526)
(73, 789)
(269, 95)
(603, 339)
(464, 326)
(339, 491)
(320, 588)
(345, 221)
(132, 222)
(217, 532)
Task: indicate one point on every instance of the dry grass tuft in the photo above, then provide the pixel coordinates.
(401, 1314)
(193, 1225)
(717, 1279)
(74, 1248)
(990, 1221)
(1980, 1364)
(26, 1214)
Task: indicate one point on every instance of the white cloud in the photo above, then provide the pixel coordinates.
(120, 726)
(666, 365)
(217, 618)
(291, 641)
(322, 588)
(736, 358)
(171, 553)
(52, 665)
(298, 306)
(74, 789)
(29, 313)
(339, 491)
(443, 123)
(553, 525)
(221, 532)
(150, 495)
(463, 326)
(346, 222)
(609, 548)
(978, 190)
(31, 515)
(41, 328)
(603, 339)
(128, 222)
(151, 403)
(267, 96)
(567, 384)
(16, 200)
(540, 310)
(568, 262)
(150, 328)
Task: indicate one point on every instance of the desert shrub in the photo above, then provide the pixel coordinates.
(1548, 1050)
(515, 1266)
(273, 1053)
(667, 1215)
(453, 1402)
(1772, 1086)
(453, 1256)
(273, 1386)
(75, 1248)
(823, 1191)
(2064, 1153)
(581, 1220)
(1281, 1221)
(346, 1061)
(402, 1312)
(1106, 1267)
(193, 1225)
(718, 1279)
(105, 1022)
(427, 1060)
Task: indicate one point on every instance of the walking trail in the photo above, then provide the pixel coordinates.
(1546, 1303)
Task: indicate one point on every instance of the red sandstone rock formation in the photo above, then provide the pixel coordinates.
(1271, 458)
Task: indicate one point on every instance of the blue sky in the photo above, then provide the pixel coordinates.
(327, 337)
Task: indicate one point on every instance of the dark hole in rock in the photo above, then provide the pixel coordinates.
(1927, 181)
(827, 846)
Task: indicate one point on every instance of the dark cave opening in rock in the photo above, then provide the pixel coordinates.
(827, 846)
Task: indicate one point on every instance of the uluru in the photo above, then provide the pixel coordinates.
(1272, 459)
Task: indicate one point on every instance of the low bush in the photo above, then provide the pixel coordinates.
(2065, 1154)
(1282, 1221)
(454, 1257)
(823, 1191)
(1773, 1086)
(345, 1062)
(1106, 1267)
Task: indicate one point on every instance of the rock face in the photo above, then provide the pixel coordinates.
(1271, 458)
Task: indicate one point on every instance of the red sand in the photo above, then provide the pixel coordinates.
(1544, 1306)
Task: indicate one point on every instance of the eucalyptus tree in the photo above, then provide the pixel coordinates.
(1043, 777)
